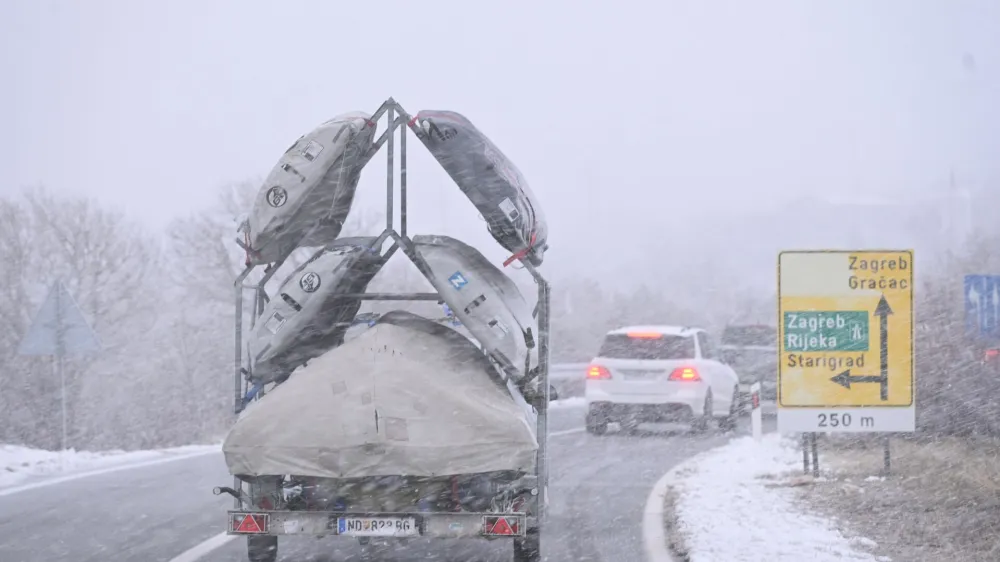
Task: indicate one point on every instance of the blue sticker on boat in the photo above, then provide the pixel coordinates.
(458, 280)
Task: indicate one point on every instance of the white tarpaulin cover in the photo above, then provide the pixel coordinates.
(407, 397)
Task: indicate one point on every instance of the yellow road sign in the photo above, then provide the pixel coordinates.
(845, 328)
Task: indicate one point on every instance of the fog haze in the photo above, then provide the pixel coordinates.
(633, 121)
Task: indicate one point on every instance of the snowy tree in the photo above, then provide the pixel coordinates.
(106, 262)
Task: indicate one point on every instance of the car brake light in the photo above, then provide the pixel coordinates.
(598, 372)
(685, 374)
(645, 335)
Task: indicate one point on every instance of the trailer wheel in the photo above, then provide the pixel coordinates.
(262, 549)
(529, 548)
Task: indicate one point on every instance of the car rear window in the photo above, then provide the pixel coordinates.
(621, 346)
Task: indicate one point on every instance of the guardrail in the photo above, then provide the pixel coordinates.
(568, 378)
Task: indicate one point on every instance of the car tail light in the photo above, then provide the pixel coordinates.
(597, 372)
(685, 374)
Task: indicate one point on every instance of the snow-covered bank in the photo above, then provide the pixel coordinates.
(18, 464)
(736, 503)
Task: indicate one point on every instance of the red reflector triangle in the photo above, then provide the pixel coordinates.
(249, 525)
(502, 527)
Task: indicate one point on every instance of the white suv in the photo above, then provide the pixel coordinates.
(660, 374)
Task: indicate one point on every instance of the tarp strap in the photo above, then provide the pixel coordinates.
(522, 253)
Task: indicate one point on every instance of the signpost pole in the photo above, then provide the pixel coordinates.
(60, 329)
(815, 455)
(886, 460)
(805, 453)
(756, 421)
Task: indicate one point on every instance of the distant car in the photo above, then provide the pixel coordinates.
(751, 350)
(660, 374)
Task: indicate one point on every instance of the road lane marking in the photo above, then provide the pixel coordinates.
(200, 550)
(100, 471)
(566, 432)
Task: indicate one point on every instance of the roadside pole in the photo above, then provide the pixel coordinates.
(805, 453)
(815, 455)
(886, 460)
(756, 421)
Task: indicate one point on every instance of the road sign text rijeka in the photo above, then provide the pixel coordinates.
(826, 331)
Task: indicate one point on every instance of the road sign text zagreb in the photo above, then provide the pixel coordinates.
(845, 338)
(826, 331)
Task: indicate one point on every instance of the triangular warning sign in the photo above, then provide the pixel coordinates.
(502, 527)
(249, 525)
(59, 327)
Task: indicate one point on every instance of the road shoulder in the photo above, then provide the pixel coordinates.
(939, 501)
(737, 503)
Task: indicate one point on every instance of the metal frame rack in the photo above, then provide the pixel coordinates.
(398, 118)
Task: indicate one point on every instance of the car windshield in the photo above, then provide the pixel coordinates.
(622, 346)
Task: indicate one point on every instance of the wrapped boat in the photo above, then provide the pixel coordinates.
(489, 179)
(408, 396)
(309, 192)
(485, 301)
(307, 317)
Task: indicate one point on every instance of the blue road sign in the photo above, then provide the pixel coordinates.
(982, 305)
(59, 328)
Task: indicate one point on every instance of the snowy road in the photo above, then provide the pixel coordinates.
(598, 489)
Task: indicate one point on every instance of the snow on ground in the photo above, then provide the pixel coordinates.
(734, 503)
(575, 402)
(21, 463)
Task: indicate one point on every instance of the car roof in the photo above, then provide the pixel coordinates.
(683, 331)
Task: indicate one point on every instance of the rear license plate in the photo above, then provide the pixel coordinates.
(377, 526)
(641, 375)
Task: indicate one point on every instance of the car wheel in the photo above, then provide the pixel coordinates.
(528, 548)
(728, 423)
(596, 423)
(700, 424)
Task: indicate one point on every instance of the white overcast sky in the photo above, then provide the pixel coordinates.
(628, 118)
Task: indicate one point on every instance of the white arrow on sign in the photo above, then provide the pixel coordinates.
(975, 298)
(996, 302)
